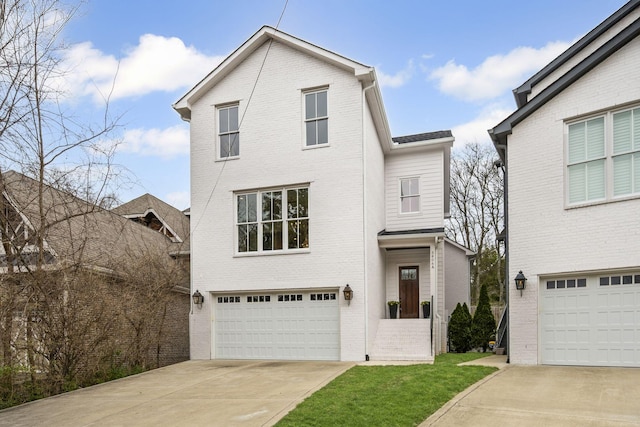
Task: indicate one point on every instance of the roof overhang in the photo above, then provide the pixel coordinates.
(266, 33)
(408, 239)
(500, 133)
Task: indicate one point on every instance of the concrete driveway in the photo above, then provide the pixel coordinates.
(547, 396)
(194, 393)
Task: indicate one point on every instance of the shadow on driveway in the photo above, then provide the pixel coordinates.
(194, 393)
(547, 396)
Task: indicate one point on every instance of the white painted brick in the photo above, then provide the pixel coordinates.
(544, 237)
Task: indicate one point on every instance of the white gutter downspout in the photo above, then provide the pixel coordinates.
(436, 310)
(364, 220)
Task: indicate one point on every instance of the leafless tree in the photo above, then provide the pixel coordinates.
(44, 310)
(477, 216)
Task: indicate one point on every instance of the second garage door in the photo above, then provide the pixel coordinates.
(277, 325)
(591, 320)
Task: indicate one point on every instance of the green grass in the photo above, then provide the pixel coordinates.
(388, 395)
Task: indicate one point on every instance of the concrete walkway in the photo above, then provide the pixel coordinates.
(194, 393)
(545, 396)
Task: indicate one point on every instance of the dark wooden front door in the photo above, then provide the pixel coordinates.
(409, 294)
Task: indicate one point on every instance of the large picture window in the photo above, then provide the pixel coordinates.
(272, 220)
(228, 132)
(603, 157)
(316, 118)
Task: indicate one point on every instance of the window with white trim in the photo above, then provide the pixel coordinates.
(272, 220)
(228, 132)
(316, 119)
(603, 157)
(410, 195)
(626, 152)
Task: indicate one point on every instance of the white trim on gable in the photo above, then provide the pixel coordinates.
(164, 223)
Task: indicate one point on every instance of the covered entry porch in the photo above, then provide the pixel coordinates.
(413, 273)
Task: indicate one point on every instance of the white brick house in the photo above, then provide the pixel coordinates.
(572, 156)
(298, 189)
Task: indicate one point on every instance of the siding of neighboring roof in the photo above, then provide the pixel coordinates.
(79, 232)
(174, 218)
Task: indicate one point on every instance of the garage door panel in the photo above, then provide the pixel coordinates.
(595, 323)
(288, 326)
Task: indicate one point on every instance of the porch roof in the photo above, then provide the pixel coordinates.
(418, 238)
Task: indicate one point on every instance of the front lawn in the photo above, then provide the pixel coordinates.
(388, 395)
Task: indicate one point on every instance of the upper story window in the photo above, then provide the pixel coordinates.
(316, 118)
(604, 157)
(586, 161)
(228, 132)
(409, 195)
(626, 152)
(272, 220)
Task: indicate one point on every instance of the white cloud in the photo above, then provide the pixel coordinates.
(476, 130)
(398, 79)
(157, 63)
(497, 74)
(178, 199)
(166, 143)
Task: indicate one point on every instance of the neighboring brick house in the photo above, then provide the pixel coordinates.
(572, 157)
(97, 245)
(298, 193)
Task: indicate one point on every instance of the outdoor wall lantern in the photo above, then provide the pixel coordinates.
(198, 298)
(520, 281)
(348, 294)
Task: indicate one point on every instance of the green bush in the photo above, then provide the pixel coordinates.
(484, 324)
(460, 338)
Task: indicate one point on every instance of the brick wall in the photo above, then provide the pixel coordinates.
(546, 237)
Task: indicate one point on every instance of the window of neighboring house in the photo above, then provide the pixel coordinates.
(604, 157)
(586, 168)
(263, 227)
(228, 132)
(409, 195)
(626, 152)
(316, 118)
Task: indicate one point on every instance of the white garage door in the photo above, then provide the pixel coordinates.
(278, 325)
(592, 320)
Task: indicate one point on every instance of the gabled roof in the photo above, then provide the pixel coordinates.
(365, 74)
(526, 107)
(78, 232)
(175, 221)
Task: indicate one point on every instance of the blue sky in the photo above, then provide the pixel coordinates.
(441, 64)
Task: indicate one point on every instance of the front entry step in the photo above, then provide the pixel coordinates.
(402, 339)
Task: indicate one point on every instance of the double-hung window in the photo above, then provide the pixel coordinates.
(603, 157)
(228, 132)
(626, 152)
(409, 195)
(316, 119)
(272, 220)
(586, 167)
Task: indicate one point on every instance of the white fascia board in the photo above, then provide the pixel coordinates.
(183, 105)
(164, 223)
(407, 240)
(376, 106)
(423, 145)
